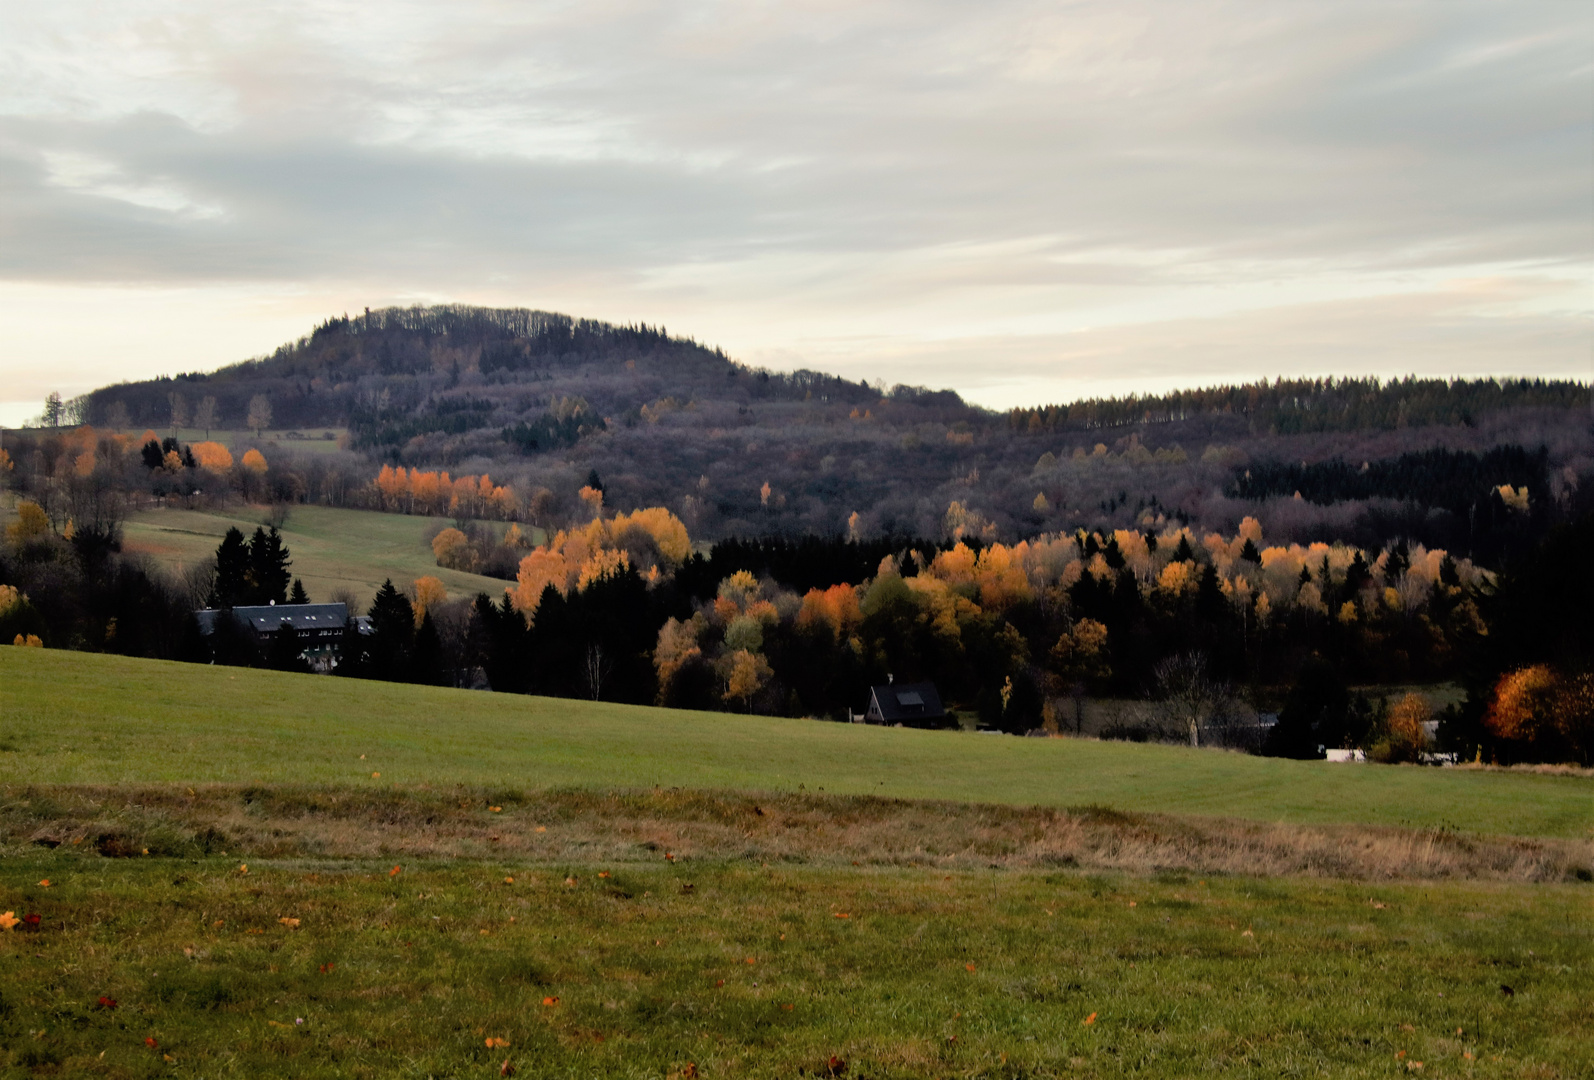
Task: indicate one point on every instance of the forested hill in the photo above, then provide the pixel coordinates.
(1299, 406)
(453, 368)
(541, 401)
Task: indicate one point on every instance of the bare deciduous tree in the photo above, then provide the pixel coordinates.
(206, 416)
(1189, 696)
(179, 406)
(259, 413)
(117, 417)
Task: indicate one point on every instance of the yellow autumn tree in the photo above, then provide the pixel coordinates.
(452, 550)
(254, 461)
(212, 456)
(1522, 707)
(746, 673)
(429, 592)
(32, 522)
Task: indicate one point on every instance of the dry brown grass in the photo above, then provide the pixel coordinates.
(626, 826)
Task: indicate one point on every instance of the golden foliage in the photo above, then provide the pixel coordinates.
(32, 522)
(452, 550)
(31, 641)
(255, 461)
(429, 592)
(212, 456)
(745, 675)
(1522, 704)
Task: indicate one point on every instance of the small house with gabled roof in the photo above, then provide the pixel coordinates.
(908, 704)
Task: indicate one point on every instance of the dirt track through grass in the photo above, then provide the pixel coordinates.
(282, 821)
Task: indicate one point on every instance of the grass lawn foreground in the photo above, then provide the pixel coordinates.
(577, 962)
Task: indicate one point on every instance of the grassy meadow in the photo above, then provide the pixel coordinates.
(331, 548)
(82, 718)
(375, 969)
(226, 872)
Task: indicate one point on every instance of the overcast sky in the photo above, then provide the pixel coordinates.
(1026, 202)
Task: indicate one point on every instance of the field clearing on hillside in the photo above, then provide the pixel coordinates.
(331, 548)
(83, 718)
(144, 967)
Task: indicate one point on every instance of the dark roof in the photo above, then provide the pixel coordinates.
(906, 702)
(268, 618)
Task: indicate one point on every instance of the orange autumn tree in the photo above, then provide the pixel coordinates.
(652, 541)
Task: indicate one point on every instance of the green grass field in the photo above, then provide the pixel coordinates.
(88, 718)
(497, 888)
(331, 548)
(721, 970)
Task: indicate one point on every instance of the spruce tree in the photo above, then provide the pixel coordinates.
(232, 571)
(298, 595)
(268, 568)
(392, 640)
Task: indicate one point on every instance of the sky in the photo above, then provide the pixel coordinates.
(1027, 202)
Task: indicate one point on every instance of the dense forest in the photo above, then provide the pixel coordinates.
(539, 401)
(716, 536)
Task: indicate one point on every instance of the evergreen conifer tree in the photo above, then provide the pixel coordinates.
(232, 571)
(298, 595)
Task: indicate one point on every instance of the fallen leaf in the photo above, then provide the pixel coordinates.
(550, 1001)
(603, 873)
(1413, 1066)
(843, 914)
(484, 933)
(1091, 1019)
(146, 851)
(1407, 1027)
(1399, 1054)
(254, 930)
(690, 1072)
(1246, 933)
(45, 884)
(107, 1002)
(9, 920)
(493, 1042)
(326, 968)
(570, 881)
(542, 828)
(219, 923)
(32, 919)
(149, 1041)
(509, 881)
(721, 982)
(836, 1066)
(243, 868)
(375, 775)
(1131, 903)
(168, 1057)
(969, 966)
(506, 1069)
(750, 961)
(291, 924)
(496, 809)
(395, 871)
(788, 1008)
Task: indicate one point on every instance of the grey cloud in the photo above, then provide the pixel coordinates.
(806, 158)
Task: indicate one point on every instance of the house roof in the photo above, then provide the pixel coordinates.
(268, 618)
(907, 701)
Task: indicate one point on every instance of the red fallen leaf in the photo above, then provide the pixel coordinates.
(969, 966)
(506, 1069)
(690, 1072)
(149, 1041)
(31, 919)
(843, 914)
(395, 871)
(107, 1002)
(750, 961)
(788, 1008)
(550, 1001)
(1091, 1019)
(836, 1066)
(603, 873)
(721, 982)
